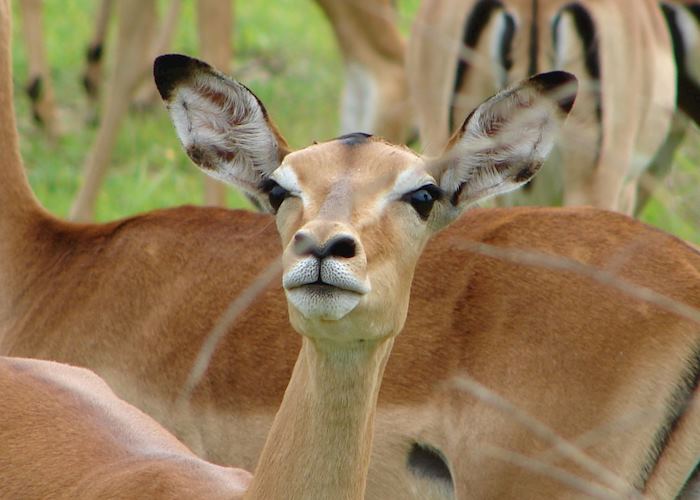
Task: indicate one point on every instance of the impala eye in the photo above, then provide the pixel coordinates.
(276, 194)
(423, 199)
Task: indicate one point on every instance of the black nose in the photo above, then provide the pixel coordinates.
(338, 246)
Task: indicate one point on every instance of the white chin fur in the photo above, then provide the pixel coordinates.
(322, 302)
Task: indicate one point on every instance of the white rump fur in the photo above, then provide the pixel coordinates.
(231, 133)
(503, 144)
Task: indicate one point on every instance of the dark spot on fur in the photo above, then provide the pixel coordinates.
(34, 88)
(354, 139)
(94, 53)
(428, 462)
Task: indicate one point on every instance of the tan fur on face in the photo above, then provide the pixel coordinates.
(356, 195)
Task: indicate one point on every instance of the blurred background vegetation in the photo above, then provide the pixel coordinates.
(286, 53)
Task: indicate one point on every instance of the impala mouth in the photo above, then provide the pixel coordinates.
(324, 274)
(324, 290)
(325, 302)
(321, 286)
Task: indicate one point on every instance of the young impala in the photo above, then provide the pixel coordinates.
(354, 215)
(581, 318)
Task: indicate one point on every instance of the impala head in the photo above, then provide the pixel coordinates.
(354, 213)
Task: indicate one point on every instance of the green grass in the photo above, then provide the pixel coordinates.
(287, 55)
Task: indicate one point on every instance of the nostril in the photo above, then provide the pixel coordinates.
(343, 246)
(305, 245)
(340, 246)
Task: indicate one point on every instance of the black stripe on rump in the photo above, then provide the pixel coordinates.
(681, 398)
(688, 90)
(534, 39)
(506, 51)
(477, 21)
(586, 29)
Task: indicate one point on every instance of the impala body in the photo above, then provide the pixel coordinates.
(621, 52)
(66, 435)
(683, 18)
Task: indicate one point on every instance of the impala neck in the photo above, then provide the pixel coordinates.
(320, 442)
(17, 202)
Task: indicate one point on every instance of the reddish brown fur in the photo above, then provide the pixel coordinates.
(105, 447)
(493, 320)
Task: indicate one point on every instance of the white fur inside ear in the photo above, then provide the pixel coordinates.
(223, 128)
(505, 142)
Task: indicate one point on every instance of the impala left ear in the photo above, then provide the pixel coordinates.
(222, 125)
(505, 141)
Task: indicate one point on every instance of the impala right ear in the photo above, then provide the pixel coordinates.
(505, 140)
(221, 124)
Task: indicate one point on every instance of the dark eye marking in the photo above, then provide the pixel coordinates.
(276, 194)
(423, 199)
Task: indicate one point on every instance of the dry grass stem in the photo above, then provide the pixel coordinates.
(605, 277)
(572, 481)
(564, 447)
(234, 310)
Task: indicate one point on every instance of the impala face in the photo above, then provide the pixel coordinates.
(351, 236)
(355, 213)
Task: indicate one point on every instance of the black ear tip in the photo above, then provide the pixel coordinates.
(169, 70)
(562, 86)
(553, 79)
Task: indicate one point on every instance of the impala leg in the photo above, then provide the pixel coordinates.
(214, 26)
(39, 87)
(375, 98)
(136, 20)
(147, 95)
(661, 166)
(92, 77)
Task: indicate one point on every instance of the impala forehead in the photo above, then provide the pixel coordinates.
(338, 177)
